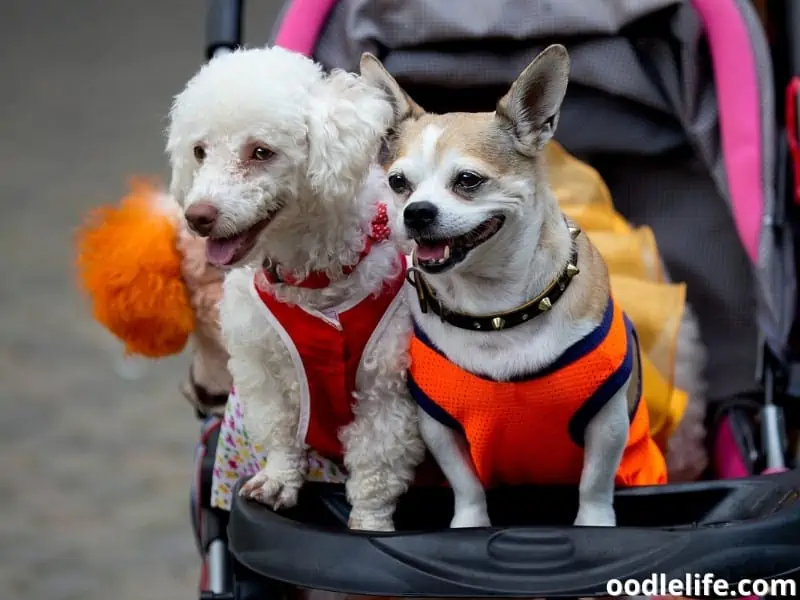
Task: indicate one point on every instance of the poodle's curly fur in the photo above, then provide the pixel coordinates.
(322, 186)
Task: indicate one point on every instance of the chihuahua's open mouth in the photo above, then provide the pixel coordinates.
(225, 251)
(438, 255)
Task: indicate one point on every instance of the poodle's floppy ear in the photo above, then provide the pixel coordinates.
(182, 168)
(374, 73)
(531, 107)
(346, 124)
(181, 178)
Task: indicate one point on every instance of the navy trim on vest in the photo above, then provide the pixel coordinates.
(589, 409)
(639, 384)
(430, 407)
(575, 352)
(583, 346)
(422, 337)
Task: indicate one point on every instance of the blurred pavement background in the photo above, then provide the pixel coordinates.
(95, 469)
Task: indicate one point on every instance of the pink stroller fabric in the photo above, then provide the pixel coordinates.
(737, 98)
(302, 24)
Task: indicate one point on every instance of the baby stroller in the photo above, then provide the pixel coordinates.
(673, 102)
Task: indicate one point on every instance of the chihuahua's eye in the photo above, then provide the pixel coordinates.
(398, 183)
(467, 180)
(261, 153)
(199, 153)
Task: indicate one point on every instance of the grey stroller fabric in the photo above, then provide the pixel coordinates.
(641, 108)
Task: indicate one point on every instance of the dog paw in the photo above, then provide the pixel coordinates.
(593, 515)
(362, 520)
(470, 516)
(272, 489)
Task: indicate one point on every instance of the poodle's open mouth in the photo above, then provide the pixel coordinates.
(438, 255)
(223, 252)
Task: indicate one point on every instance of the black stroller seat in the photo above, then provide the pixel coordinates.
(745, 528)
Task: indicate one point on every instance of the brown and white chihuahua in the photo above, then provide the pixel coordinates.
(507, 294)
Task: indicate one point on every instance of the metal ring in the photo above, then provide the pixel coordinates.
(412, 280)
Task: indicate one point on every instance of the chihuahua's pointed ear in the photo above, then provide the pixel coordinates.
(531, 107)
(375, 74)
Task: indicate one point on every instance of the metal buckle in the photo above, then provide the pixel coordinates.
(270, 267)
(419, 285)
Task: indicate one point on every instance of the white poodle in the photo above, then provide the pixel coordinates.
(273, 161)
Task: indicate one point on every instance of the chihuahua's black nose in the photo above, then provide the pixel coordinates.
(419, 215)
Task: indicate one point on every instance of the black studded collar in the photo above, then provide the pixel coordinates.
(501, 320)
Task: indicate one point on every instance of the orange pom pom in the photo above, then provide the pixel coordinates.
(129, 266)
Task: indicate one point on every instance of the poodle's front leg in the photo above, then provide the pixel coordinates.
(266, 381)
(271, 414)
(382, 450)
(382, 446)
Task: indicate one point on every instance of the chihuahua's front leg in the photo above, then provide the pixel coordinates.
(382, 445)
(605, 441)
(265, 379)
(604, 445)
(449, 448)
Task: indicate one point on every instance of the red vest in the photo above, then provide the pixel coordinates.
(327, 352)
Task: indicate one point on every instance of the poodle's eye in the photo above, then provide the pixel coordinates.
(199, 153)
(398, 183)
(261, 153)
(468, 180)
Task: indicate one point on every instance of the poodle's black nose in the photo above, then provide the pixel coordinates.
(419, 215)
(201, 217)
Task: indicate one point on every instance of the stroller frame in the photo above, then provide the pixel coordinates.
(735, 528)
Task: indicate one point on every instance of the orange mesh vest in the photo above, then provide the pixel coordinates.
(531, 429)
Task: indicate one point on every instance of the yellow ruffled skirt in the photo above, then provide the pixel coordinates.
(654, 305)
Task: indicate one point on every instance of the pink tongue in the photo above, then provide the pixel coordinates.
(221, 252)
(431, 250)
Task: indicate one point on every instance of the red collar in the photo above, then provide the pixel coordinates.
(379, 232)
